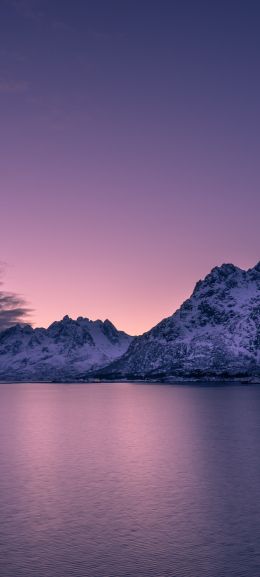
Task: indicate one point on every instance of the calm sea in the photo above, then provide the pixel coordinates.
(129, 480)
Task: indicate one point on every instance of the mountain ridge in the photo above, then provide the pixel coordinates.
(63, 350)
(215, 332)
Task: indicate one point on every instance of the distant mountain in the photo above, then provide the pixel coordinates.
(216, 332)
(67, 349)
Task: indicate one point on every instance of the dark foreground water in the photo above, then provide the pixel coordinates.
(124, 480)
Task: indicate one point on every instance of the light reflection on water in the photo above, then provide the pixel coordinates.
(129, 480)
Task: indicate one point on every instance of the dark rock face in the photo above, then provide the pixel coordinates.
(215, 332)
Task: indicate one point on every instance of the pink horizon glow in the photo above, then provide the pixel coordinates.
(129, 162)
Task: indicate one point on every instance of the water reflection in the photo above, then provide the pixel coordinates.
(120, 479)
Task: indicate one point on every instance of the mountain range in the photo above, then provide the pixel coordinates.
(65, 350)
(214, 334)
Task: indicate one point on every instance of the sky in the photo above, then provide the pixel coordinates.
(129, 152)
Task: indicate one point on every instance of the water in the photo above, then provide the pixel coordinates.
(129, 480)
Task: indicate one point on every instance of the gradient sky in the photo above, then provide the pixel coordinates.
(129, 161)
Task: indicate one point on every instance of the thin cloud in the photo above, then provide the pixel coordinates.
(13, 309)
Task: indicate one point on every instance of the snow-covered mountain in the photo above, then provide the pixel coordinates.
(215, 332)
(67, 349)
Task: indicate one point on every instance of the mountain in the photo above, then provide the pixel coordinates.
(65, 350)
(216, 332)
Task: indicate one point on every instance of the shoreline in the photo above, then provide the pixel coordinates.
(170, 381)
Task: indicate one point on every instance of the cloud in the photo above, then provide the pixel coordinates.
(13, 86)
(13, 310)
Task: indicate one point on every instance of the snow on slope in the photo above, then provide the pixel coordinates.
(215, 331)
(64, 350)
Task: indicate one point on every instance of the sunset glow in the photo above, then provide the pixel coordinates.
(129, 154)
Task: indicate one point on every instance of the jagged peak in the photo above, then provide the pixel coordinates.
(83, 322)
(256, 267)
(108, 323)
(22, 327)
(83, 319)
(225, 269)
(217, 275)
(66, 319)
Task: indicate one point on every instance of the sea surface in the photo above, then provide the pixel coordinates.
(129, 480)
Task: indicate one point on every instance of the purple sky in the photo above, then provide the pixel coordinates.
(129, 163)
